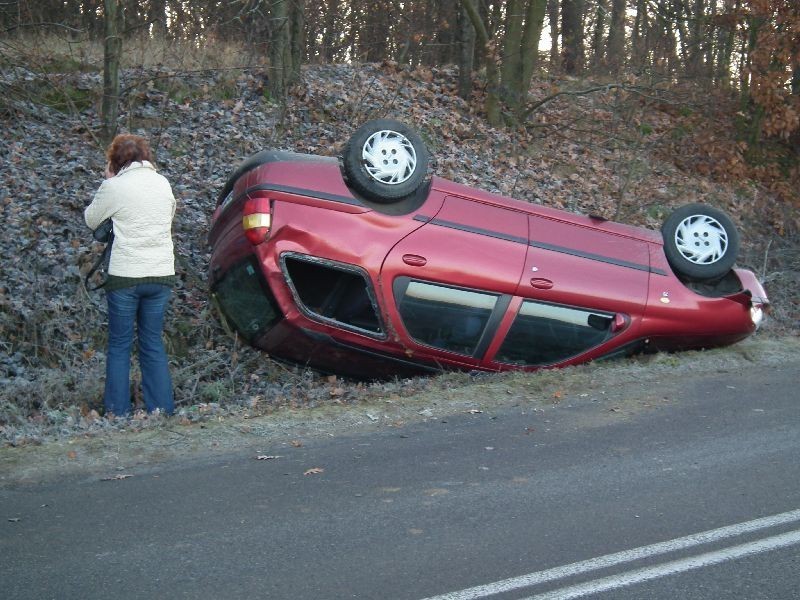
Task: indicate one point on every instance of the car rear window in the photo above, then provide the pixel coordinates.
(244, 299)
(333, 292)
(543, 334)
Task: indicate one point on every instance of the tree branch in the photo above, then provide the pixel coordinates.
(602, 88)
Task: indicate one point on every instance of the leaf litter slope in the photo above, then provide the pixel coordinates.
(52, 330)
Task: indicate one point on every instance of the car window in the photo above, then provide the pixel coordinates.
(544, 334)
(333, 292)
(445, 317)
(244, 300)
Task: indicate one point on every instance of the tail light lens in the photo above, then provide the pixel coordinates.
(257, 220)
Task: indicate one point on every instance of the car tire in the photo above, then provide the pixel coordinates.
(701, 242)
(385, 161)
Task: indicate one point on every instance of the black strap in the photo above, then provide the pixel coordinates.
(101, 262)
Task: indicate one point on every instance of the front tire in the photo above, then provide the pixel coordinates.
(385, 161)
(701, 242)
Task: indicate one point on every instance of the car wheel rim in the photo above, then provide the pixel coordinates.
(701, 239)
(389, 157)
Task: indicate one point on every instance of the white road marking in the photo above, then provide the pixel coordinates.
(625, 556)
(671, 568)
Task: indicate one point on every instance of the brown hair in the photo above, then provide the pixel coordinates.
(125, 149)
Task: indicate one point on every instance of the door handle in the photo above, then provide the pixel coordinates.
(541, 283)
(414, 260)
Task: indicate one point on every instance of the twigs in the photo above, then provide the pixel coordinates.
(766, 258)
(643, 92)
(176, 74)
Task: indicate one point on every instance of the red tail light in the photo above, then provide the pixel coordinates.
(256, 220)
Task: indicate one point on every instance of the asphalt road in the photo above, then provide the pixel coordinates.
(692, 495)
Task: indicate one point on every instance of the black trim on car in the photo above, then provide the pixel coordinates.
(479, 231)
(541, 245)
(492, 324)
(271, 187)
(597, 257)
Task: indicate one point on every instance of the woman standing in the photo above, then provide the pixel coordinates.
(141, 272)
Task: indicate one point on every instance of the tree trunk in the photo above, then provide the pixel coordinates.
(511, 67)
(521, 50)
(681, 18)
(112, 52)
(330, 33)
(572, 35)
(297, 19)
(279, 49)
(727, 37)
(492, 72)
(697, 41)
(89, 20)
(552, 17)
(534, 22)
(157, 16)
(466, 54)
(708, 42)
(598, 48)
(639, 49)
(615, 53)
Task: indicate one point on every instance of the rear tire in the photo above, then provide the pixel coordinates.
(385, 161)
(701, 242)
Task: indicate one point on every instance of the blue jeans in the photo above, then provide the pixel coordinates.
(144, 305)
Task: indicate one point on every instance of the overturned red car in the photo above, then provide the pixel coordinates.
(367, 267)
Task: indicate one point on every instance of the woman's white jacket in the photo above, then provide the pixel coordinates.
(140, 203)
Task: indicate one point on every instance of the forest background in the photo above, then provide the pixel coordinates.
(625, 108)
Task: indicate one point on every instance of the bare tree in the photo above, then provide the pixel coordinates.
(112, 52)
(466, 60)
(486, 47)
(508, 76)
(598, 47)
(555, 31)
(615, 51)
(572, 35)
(286, 49)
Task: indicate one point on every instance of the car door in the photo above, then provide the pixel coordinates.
(574, 263)
(448, 283)
(583, 290)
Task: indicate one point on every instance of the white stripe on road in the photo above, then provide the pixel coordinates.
(625, 556)
(678, 566)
